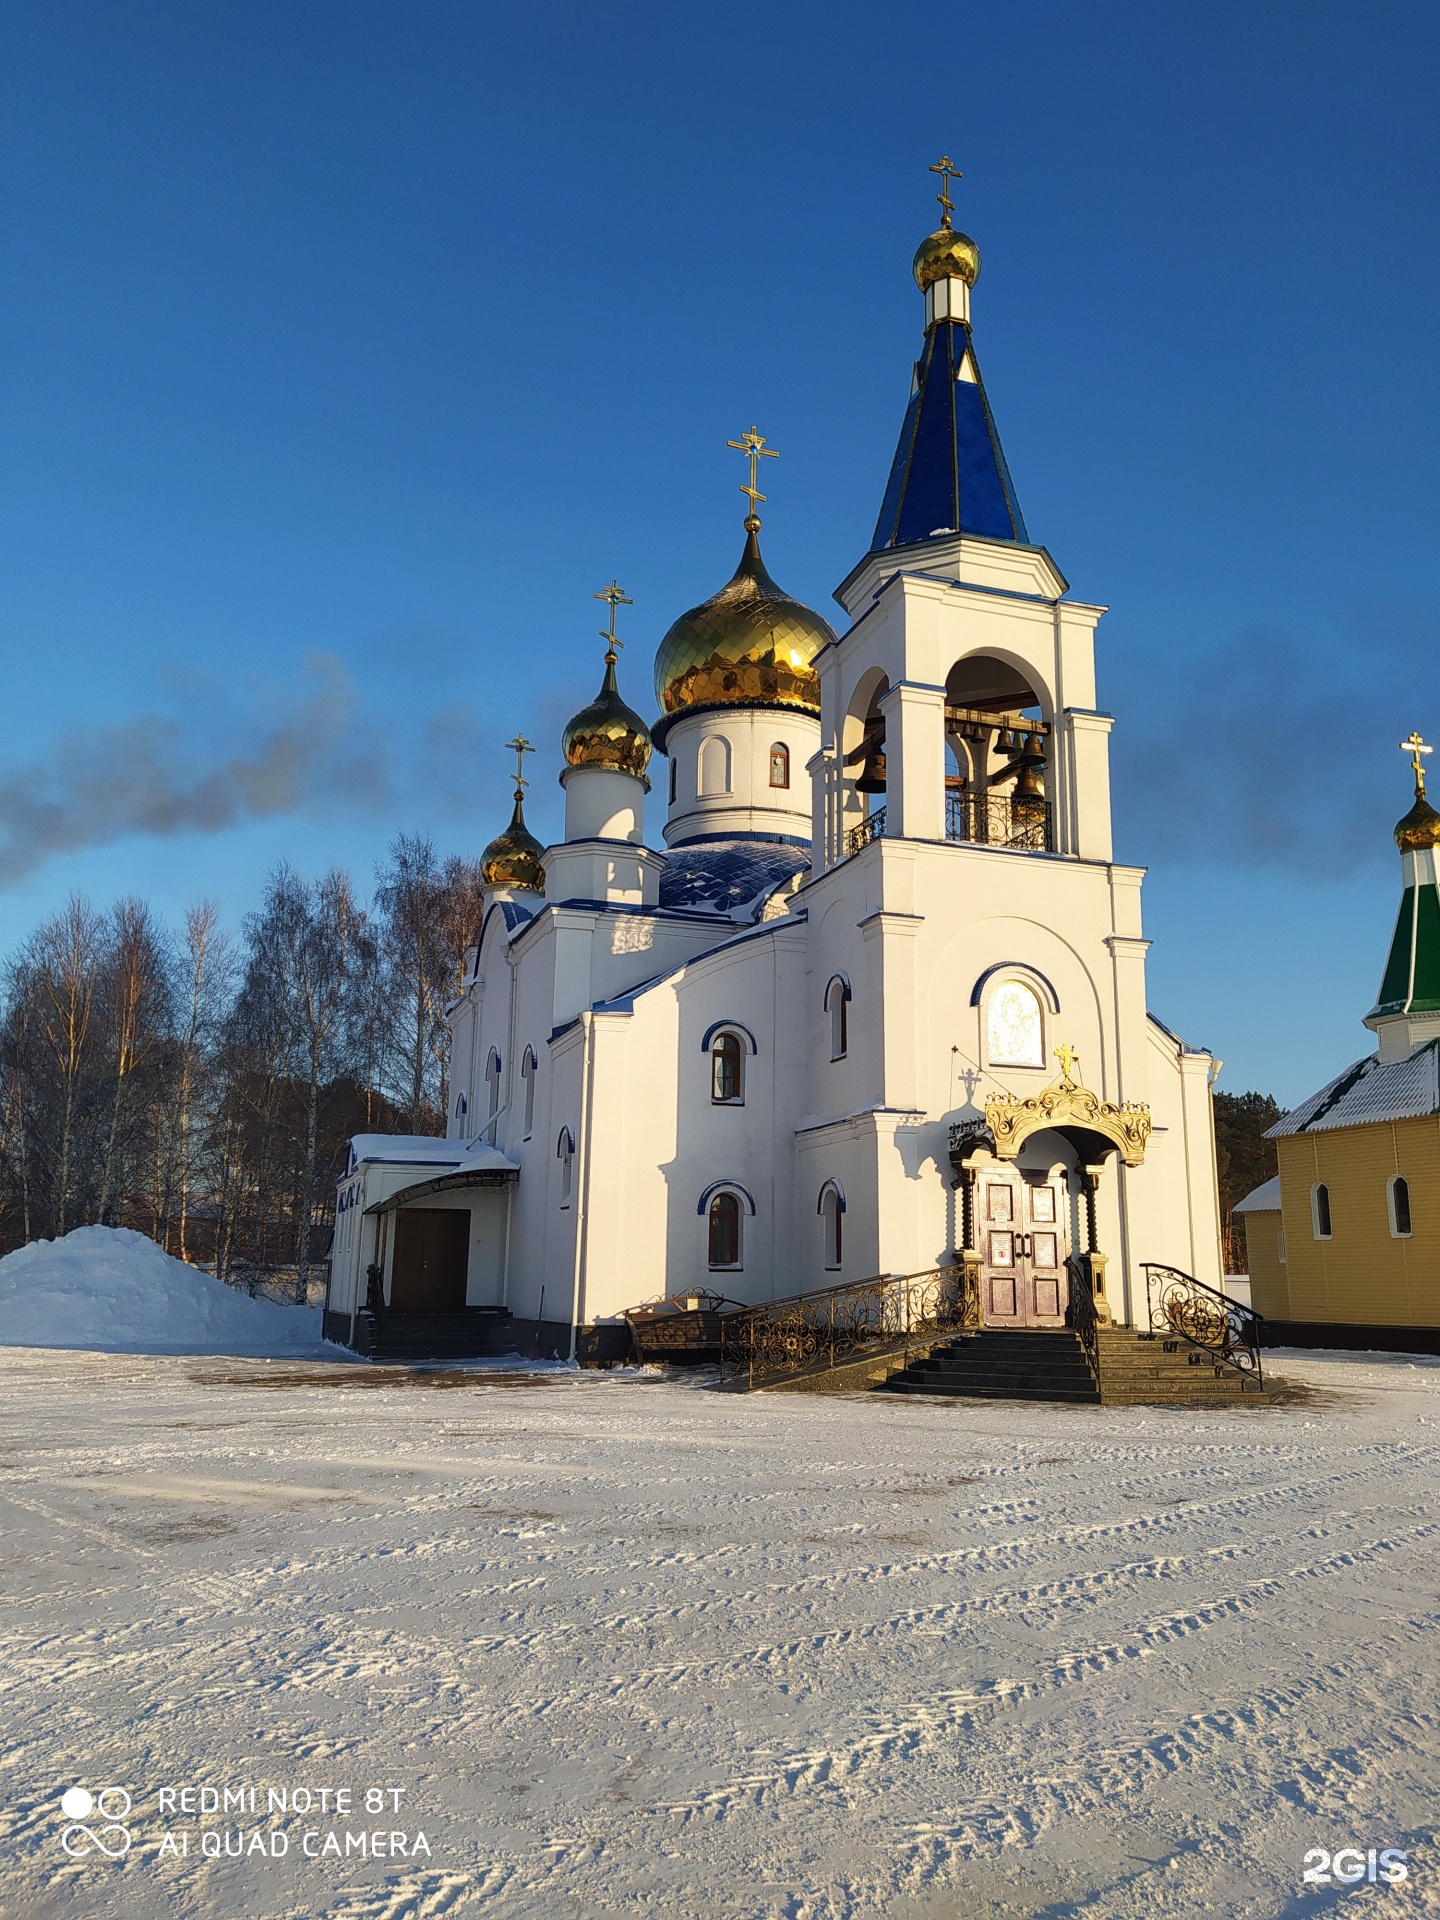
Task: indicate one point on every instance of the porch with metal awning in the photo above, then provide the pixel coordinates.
(435, 1234)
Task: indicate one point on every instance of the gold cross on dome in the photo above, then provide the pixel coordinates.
(1415, 747)
(614, 593)
(947, 173)
(753, 444)
(1069, 1059)
(520, 746)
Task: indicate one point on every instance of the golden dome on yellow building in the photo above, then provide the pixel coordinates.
(1421, 826)
(514, 857)
(750, 644)
(946, 253)
(1419, 829)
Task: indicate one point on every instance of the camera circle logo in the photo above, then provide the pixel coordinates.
(109, 1836)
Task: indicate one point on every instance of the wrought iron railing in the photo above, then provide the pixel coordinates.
(1218, 1326)
(997, 820)
(870, 828)
(816, 1331)
(1080, 1314)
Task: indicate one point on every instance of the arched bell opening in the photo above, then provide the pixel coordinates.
(996, 757)
(863, 762)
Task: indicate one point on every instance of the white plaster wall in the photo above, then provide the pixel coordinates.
(752, 805)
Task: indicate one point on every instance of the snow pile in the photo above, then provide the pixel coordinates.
(111, 1290)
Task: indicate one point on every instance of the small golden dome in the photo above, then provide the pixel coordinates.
(513, 858)
(750, 644)
(1420, 828)
(607, 733)
(946, 253)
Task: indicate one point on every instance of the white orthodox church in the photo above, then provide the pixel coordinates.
(803, 1026)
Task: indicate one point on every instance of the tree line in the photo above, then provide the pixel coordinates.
(201, 1087)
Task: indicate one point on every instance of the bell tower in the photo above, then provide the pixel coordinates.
(960, 706)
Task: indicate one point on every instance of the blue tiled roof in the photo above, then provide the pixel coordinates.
(733, 877)
(949, 474)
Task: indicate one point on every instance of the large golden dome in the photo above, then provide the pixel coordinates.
(946, 253)
(513, 858)
(607, 733)
(750, 644)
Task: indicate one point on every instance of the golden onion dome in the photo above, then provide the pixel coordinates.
(513, 858)
(1420, 828)
(946, 253)
(607, 733)
(750, 644)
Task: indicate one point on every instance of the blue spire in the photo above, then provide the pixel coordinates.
(949, 474)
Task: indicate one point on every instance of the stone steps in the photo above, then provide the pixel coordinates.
(470, 1334)
(1046, 1365)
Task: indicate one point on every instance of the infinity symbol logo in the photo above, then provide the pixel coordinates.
(78, 1840)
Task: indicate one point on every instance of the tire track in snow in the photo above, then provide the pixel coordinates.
(905, 1732)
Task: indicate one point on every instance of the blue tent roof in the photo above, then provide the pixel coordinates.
(949, 474)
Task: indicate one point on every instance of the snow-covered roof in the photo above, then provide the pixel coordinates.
(1397, 1090)
(1265, 1198)
(406, 1149)
(732, 876)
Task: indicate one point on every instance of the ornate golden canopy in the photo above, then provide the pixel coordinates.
(1074, 1109)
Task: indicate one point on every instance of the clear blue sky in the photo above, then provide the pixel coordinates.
(348, 348)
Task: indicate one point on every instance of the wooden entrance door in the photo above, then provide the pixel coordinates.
(1022, 1248)
(432, 1258)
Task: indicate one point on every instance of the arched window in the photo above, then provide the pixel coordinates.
(528, 1067)
(1014, 1033)
(779, 765)
(837, 1000)
(725, 1081)
(565, 1154)
(832, 1215)
(462, 1106)
(674, 769)
(492, 1082)
(715, 764)
(1320, 1210)
(724, 1231)
(1399, 1188)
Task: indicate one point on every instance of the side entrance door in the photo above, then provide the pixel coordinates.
(432, 1259)
(1022, 1247)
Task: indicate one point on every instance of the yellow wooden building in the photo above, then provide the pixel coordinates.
(1344, 1246)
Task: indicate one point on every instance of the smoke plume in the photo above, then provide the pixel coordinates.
(203, 771)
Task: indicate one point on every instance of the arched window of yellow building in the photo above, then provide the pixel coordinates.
(1399, 1191)
(1320, 1210)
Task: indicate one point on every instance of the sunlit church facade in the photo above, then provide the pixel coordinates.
(783, 1007)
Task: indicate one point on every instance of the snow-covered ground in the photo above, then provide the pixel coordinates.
(110, 1290)
(627, 1647)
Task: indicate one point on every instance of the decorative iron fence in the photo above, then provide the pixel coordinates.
(870, 828)
(996, 820)
(1182, 1305)
(836, 1324)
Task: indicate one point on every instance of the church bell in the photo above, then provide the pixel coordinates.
(871, 777)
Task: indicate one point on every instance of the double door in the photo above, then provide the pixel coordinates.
(1023, 1244)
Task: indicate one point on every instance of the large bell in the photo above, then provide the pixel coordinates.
(871, 777)
(1027, 801)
